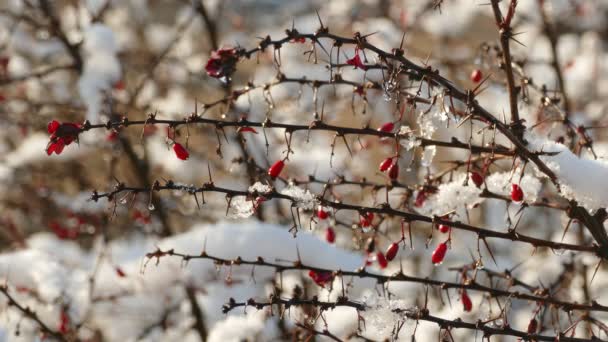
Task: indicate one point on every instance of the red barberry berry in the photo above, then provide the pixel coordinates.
(180, 151)
(276, 169)
(387, 127)
(381, 260)
(444, 228)
(439, 253)
(356, 61)
(222, 62)
(366, 219)
(321, 278)
(246, 129)
(532, 326)
(517, 194)
(64, 322)
(467, 304)
(391, 251)
(322, 214)
(477, 178)
(62, 134)
(330, 235)
(476, 75)
(386, 163)
(120, 272)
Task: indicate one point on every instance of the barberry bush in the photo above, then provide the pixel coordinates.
(360, 170)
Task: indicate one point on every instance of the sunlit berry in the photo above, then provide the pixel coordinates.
(391, 251)
(439, 253)
(276, 169)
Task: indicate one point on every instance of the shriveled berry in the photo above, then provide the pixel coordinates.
(391, 251)
(532, 326)
(321, 278)
(120, 272)
(276, 169)
(439, 253)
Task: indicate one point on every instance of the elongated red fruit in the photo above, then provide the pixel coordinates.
(477, 179)
(180, 151)
(439, 253)
(517, 194)
(276, 169)
(532, 326)
(467, 304)
(391, 251)
(386, 163)
(330, 235)
(381, 260)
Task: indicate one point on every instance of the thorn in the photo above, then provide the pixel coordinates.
(320, 21)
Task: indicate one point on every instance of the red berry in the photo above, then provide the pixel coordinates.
(420, 198)
(322, 214)
(466, 301)
(180, 151)
(439, 253)
(517, 194)
(112, 136)
(330, 235)
(393, 171)
(386, 163)
(120, 272)
(381, 260)
(477, 178)
(387, 127)
(391, 251)
(246, 129)
(120, 85)
(64, 322)
(476, 75)
(532, 326)
(321, 278)
(444, 228)
(356, 61)
(276, 169)
(366, 219)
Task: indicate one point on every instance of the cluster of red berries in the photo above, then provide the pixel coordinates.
(222, 63)
(62, 134)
